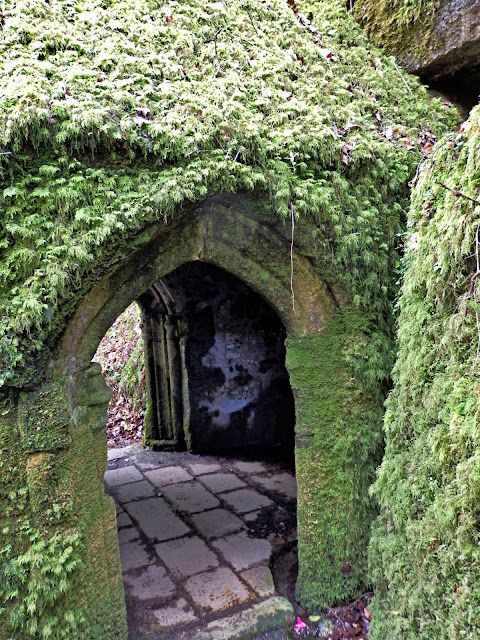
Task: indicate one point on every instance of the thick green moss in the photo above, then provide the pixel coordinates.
(59, 564)
(338, 436)
(131, 116)
(425, 548)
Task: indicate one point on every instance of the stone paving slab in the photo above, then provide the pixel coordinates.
(123, 475)
(219, 482)
(243, 552)
(250, 467)
(261, 581)
(151, 582)
(123, 520)
(128, 534)
(217, 523)
(156, 519)
(245, 500)
(124, 452)
(217, 590)
(199, 468)
(269, 615)
(186, 556)
(168, 475)
(179, 613)
(283, 483)
(190, 497)
(133, 491)
(133, 555)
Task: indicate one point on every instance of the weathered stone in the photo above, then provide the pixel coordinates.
(259, 619)
(123, 475)
(151, 582)
(261, 580)
(199, 468)
(186, 556)
(219, 482)
(217, 590)
(283, 483)
(133, 555)
(243, 552)
(122, 452)
(156, 519)
(438, 44)
(133, 491)
(245, 500)
(168, 475)
(250, 467)
(217, 523)
(190, 497)
(123, 520)
(127, 535)
(180, 613)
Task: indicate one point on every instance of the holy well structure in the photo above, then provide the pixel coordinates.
(143, 142)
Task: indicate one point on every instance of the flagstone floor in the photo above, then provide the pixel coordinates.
(197, 535)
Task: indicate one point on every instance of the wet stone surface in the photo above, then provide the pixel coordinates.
(197, 535)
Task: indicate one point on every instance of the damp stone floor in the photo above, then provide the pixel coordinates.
(197, 535)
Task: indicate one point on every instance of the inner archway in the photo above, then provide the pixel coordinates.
(215, 364)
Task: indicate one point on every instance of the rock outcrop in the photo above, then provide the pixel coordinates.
(429, 41)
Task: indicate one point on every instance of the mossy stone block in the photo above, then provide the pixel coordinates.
(44, 419)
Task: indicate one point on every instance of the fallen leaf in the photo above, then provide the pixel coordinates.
(327, 54)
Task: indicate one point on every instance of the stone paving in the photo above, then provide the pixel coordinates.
(196, 536)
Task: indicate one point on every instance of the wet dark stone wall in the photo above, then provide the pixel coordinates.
(238, 387)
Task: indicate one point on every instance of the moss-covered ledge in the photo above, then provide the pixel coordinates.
(432, 38)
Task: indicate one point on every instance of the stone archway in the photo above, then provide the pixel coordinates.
(337, 424)
(225, 231)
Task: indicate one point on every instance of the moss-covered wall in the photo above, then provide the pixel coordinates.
(338, 446)
(60, 567)
(425, 548)
(116, 122)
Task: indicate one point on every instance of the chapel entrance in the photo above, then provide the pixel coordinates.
(203, 510)
(215, 365)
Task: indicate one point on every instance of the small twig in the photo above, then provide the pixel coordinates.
(6, 153)
(458, 193)
(332, 613)
(476, 275)
(401, 76)
(251, 20)
(291, 256)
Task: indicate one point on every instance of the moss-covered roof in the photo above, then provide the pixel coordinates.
(115, 113)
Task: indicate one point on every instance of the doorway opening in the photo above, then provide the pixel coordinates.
(210, 500)
(121, 356)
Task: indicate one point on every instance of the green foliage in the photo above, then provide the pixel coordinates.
(36, 580)
(127, 116)
(425, 548)
(122, 358)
